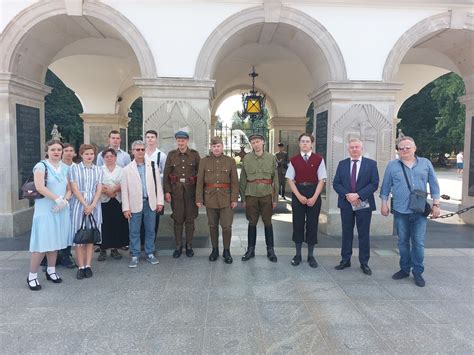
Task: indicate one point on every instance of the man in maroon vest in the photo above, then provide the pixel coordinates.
(306, 176)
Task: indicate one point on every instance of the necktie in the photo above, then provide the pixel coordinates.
(354, 175)
(305, 157)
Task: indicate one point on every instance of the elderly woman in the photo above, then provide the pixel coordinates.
(51, 222)
(86, 184)
(114, 224)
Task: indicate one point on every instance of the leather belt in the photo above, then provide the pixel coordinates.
(262, 181)
(216, 186)
(306, 183)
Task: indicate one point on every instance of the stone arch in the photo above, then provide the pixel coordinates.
(418, 32)
(208, 56)
(15, 31)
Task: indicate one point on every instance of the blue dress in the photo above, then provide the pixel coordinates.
(51, 230)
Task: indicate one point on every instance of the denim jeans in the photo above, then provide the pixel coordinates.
(149, 220)
(411, 229)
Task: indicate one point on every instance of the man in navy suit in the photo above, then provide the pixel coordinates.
(355, 182)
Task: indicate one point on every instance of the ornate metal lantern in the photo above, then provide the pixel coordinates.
(253, 102)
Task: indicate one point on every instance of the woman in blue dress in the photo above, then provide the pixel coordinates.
(86, 184)
(51, 229)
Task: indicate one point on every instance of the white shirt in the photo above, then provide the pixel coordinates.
(322, 174)
(111, 179)
(154, 157)
(459, 158)
(358, 166)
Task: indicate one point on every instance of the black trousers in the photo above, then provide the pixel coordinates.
(305, 218)
(361, 219)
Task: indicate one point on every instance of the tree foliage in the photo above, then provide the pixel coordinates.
(135, 126)
(434, 117)
(62, 107)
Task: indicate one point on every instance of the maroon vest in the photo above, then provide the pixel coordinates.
(306, 171)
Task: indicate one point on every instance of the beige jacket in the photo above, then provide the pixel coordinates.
(132, 196)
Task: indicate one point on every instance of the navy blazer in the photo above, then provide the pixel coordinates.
(367, 182)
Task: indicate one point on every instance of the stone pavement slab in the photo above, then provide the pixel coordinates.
(191, 305)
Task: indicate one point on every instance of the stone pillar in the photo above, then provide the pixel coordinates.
(22, 146)
(97, 128)
(345, 110)
(285, 130)
(468, 174)
(172, 104)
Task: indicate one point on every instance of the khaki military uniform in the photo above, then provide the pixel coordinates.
(282, 165)
(179, 179)
(259, 187)
(217, 186)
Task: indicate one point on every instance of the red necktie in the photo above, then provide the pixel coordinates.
(354, 175)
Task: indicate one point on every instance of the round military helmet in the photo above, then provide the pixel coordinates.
(181, 134)
(256, 136)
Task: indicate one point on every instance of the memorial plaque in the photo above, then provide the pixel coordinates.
(322, 134)
(470, 163)
(28, 141)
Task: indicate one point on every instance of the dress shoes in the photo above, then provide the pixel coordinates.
(177, 252)
(296, 260)
(419, 280)
(400, 275)
(249, 254)
(87, 272)
(312, 261)
(189, 251)
(36, 287)
(80, 274)
(366, 269)
(227, 257)
(342, 265)
(271, 255)
(56, 279)
(214, 255)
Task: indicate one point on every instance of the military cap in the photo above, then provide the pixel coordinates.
(255, 136)
(181, 134)
(216, 140)
(281, 144)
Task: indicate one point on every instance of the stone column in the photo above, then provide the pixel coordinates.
(468, 174)
(97, 128)
(286, 130)
(345, 110)
(22, 146)
(173, 104)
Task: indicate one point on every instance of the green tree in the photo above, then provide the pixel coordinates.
(310, 117)
(452, 114)
(135, 126)
(62, 107)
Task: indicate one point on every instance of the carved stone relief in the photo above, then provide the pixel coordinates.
(363, 121)
(171, 116)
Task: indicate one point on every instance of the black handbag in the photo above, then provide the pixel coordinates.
(28, 189)
(417, 202)
(87, 235)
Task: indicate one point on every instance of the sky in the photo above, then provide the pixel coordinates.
(228, 107)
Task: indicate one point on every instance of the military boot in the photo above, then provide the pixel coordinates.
(269, 241)
(214, 255)
(227, 257)
(252, 240)
(178, 236)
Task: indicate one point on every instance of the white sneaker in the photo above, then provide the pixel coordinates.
(152, 259)
(133, 262)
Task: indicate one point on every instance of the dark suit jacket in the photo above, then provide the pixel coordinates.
(367, 182)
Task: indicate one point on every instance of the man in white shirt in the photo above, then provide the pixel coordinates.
(460, 163)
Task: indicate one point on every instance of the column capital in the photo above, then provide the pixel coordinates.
(355, 90)
(15, 85)
(105, 118)
(172, 88)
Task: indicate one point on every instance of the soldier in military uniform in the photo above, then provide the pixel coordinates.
(179, 185)
(282, 165)
(217, 188)
(259, 193)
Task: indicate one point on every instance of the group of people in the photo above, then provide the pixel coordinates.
(125, 198)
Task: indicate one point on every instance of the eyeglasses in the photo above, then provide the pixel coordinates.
(139, 149)
(404, 148)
